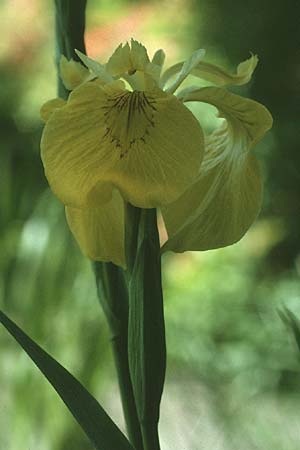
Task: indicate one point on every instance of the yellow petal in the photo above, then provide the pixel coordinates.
(147, 144)
(50, 106)
(186, 68)
(215, 74)
(248, 120)
(72, 73)
(221, 77)
(220, 206)
(128, 59)
(138, 56)
(100, 231)
(119, 62)
(217, 211)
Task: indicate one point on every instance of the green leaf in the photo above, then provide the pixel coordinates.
(96, 424)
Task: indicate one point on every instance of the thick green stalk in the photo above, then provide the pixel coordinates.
(69, 27)
(150, 436)
(146, 329)
(113, 296)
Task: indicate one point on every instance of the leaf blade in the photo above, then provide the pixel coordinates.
(92, 418)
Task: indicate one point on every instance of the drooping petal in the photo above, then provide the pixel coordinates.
(244, 116)
(218, 209)
(186, 68)
(220, 206)
(72, 73)
(100, 231)
(215, 74)
(95, 67)
(50, 106)
(147, 144)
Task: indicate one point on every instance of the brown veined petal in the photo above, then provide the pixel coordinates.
(100, 231)
(220, 206)
(147, 144)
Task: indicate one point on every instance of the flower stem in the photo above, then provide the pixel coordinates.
(69, 27)
(146, 328)
(113, 296)
(150, 436)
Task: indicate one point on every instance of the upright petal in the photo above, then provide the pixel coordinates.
(119, 62)
(147, 144)
(221, 77)
(220, 206)
(132, 63)
(186, 68)
(100, 231)
(216, 74)
(138, 56)
(128, 59)
(159, 58)
(95, 67)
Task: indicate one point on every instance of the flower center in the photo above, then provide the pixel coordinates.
(128, 118)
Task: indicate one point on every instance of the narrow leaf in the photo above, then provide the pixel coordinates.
(92, 418)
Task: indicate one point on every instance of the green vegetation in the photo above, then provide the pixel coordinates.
(233, 365)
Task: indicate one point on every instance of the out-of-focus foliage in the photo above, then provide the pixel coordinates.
(233, 368)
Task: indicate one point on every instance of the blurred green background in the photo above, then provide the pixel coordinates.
(233, 379)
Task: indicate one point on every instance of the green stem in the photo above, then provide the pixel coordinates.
(113, 296)
(150, 436)
(69, 27)
(146, 328)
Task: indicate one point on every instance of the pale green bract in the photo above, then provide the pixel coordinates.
(126, 135)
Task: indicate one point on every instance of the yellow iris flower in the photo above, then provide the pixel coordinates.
(125, 135)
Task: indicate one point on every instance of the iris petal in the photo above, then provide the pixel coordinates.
(95, 67)
(221, 77)
(147, 144)
(186, 68)
(220, 206)
(128, 59)
(159, 58)
(100, 231)
(50, 106)
(216, 74)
